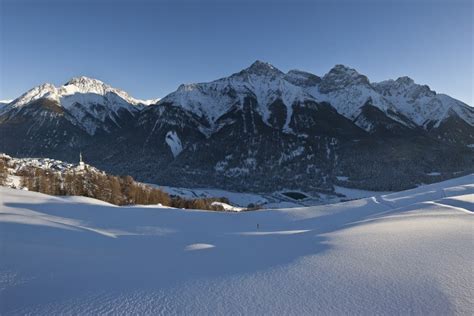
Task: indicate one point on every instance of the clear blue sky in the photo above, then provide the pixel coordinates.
(148, 48)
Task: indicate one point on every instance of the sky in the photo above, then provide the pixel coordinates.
(148, 48)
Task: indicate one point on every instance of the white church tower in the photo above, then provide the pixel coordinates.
(81, 163)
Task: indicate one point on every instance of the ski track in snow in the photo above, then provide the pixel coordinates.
(408, 252)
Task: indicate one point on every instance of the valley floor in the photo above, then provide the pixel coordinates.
(275, 200)
(409, 252)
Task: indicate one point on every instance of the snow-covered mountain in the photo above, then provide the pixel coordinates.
(344, 88)
(304, 130)
(4, 105)
(421, 104)
(349, 91)
(261, 81)
(90, 102)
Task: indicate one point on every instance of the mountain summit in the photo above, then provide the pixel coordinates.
(340, 77)
(261, 68)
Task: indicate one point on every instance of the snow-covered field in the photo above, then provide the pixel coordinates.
(236, 198)
(403, 253)
(275, 200)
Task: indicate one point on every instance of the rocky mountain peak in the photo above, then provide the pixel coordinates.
(84, 84)
(405, 80)
(403, 86)
(87, 85)
(45, 90)
(83, 80)
(261, 68)
(341, 76)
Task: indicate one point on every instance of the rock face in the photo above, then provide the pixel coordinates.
(259, 129)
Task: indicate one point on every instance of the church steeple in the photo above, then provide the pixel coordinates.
(81, 162)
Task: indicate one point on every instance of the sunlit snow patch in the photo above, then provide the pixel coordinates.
(198, 247)
(228, 207)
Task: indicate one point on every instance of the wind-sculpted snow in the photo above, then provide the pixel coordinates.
(403, 253)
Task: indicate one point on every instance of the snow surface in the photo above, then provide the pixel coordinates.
(352, 194)
(198, 247)
(404, 253)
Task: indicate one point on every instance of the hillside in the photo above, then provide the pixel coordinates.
(56, 177)
(409, 252)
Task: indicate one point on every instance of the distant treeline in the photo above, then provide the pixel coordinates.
(98, 185)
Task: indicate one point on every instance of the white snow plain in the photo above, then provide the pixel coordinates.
(404, 253)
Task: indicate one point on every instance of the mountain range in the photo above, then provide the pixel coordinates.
(259, 129)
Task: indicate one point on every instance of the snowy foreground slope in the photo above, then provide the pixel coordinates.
(406, 252)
